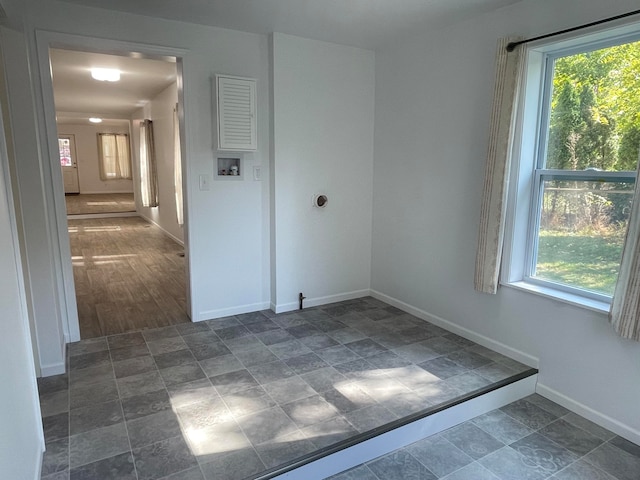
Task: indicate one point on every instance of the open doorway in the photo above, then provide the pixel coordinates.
(127, 254)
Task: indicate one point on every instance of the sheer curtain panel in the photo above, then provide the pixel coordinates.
(625, 305)
(493, 207)
(148, 168)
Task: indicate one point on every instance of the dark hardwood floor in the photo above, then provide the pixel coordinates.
(128, 276)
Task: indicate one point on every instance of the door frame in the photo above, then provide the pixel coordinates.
(44, 40)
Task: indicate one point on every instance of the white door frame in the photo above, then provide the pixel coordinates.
(49, 149)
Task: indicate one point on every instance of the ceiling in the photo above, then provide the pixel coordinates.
(78, 96)
(361, 23)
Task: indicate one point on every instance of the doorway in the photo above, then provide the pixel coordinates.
(128, 268)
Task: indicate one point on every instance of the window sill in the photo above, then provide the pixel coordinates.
(564, 297)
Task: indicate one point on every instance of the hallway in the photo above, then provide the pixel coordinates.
(128, 276)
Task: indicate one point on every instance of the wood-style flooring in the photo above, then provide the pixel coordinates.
(128, 276)
(87, 204)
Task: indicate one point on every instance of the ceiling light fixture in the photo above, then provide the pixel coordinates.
(95, 120)
(105, 74)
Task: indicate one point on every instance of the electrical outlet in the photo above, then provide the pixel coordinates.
(204, 182)
(257, 173)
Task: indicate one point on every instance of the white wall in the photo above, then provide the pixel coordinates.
(433, 94)
(87, 158)
(160, 111)
(323, 135)
(21, 440)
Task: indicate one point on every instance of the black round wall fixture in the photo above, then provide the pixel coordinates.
(320, 201)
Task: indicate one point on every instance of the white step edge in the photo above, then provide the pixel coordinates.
(412, 432)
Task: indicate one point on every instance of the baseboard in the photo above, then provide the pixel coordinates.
(412, 432)
(596, 417)
(226, 312)
(314, 302)
(52, 369)
(457, 329)
(168, 234)
(38, 461)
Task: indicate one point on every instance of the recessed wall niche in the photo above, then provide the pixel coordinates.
(229, 167)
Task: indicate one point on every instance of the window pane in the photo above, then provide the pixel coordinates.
(64, 145)
(594, 118)
(582, 229)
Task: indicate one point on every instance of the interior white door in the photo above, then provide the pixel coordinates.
(68, 163)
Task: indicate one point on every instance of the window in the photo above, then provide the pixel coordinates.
(64, 146)
(579, 150)
(115, 160)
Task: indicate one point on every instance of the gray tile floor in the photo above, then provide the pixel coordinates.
(531, 439)
(229, 398)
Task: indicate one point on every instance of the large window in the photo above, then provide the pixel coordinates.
(579, 154)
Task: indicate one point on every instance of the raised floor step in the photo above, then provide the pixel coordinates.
(399, 433)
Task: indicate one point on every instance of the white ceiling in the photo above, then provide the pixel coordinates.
(78, 96)
(361, 23)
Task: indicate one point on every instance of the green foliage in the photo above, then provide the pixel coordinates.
(595, 114)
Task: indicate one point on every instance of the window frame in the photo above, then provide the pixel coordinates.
(528, 157)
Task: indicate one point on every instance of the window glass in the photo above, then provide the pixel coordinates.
(64, 146)
(582, 229)
(595, 110)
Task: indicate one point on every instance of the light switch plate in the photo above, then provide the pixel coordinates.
(257, 173)
(204, 181)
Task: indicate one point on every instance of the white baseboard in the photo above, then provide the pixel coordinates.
(167, 233)
(52, 369)
(225, 312)
(314, 302)
(408, 434)
(458, 330)
(38, 461)
(596, 417)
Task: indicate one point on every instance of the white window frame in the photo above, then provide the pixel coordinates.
(529, 140)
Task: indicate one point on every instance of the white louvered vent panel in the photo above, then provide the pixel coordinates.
(236, 113)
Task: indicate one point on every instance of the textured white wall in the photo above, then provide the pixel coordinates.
(433, 95)
(86, 138)
(323, 139)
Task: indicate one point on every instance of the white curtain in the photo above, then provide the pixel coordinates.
(177, 167)
(148, 168)
(115, 160)
(493, 208)
(625, 306)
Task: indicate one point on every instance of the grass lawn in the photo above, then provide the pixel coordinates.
(584, 261)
